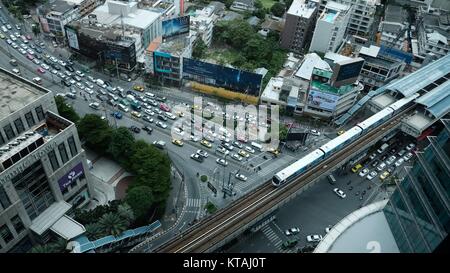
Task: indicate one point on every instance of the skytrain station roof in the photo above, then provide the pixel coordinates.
(437, 101)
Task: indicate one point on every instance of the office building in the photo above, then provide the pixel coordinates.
(393, 28)
(202, 24)
(330, 28)
(433, 33)
(44, 173)
(299, 26)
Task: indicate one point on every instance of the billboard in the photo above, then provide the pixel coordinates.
(71, 176)
(322, 100)
(175, 26)
(72, 38)
(347, 72)
(221, 76)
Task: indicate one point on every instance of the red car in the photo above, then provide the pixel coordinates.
(164, 107)
(28, 37)
(41, 70)
(30, 57)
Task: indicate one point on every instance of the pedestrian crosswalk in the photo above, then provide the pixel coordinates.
(194, 202)
(274, 238)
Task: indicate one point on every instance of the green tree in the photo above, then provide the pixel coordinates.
(283, 131)
(59, 246)
(112, 224)
(95, 131)
(140, 199)
(36, 29)
(278, 9)
(260, 13)
(126, 212)
(42, 249)
(199, 49)
(65, 110)
(288, 3)
(204, 178)
(121, 145)
(94, 231)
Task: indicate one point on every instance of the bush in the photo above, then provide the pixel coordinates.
(210, 207)
(203, 178)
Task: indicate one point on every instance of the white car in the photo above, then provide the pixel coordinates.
(364, 172)
(46, 67)
(292, 231)
(54, 71)
(161, 124)
(94, 105)
(241, 177)
(399, 162)
(88, 84)
(408, 156)
(371, 175)
(315, 132)
(339, 193)
(222, 162)
(30, 51)
(249, 149)
(381, 166)
(327, 229)
(79, 73)
(14, 45)
(89, 91)
(314, 238)
(149, 112)
(15, 70)
(36, 61)
(222, 150)
(390, 160)
(410, 146)
(9, 41)
(202, 153)
(62, 63)
(22, 51)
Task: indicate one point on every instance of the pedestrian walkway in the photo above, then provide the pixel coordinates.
(194, 202)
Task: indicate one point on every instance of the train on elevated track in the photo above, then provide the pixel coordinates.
(294, 170)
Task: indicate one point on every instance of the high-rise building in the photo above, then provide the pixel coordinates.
(44, 173)
(299, 26)
(418, 213)
(330, 28)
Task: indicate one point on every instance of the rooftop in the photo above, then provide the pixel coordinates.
(365, 230)
(49, 217)
(16, 92)
(269, 93)
(311, 61)
(59, 6)
(300, 9)
(418, 121)
(437, 101)
(324, 87)
(395, 14)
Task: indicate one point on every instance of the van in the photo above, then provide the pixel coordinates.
(257, 146)
(331, 179)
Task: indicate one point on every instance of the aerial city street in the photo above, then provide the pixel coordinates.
(245, 126)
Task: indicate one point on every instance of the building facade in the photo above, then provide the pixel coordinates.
(330, 28)
(433, 32)
(43, 168)
(243, 5)
(393, 28)
(299, 26)
(418, 212)
(202, 23)
(55, 15)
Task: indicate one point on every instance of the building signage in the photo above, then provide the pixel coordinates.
(322, 100)
(176, 26)
(71, 176)
(72, 38)
(211, 187)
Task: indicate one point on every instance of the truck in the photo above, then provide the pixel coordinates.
(382, 148)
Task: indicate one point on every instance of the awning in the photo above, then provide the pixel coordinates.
(67, 228)
(49, 217)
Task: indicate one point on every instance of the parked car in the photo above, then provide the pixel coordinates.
(314, 238)
(364, 172)
(292, 231)
(399, 162)
(135, 129)
(197, 157)
(289, 244)
(339, 193)
(222, 162)
(202, 153)
(371, 175)
(410, 146)
(381, 166)
(241, 177)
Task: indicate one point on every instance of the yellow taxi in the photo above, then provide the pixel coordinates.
(356, 168)
(177, 142)
(205, 143)
(136, 114)
(243, 153)
(179, 113)
(340, 132)
(138, 88)
(384, 175)
(274, 151)
(2, 36)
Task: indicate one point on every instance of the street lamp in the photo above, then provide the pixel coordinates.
(223, 178)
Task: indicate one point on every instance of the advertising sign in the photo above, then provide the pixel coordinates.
(71, 176)
(72, 38)
(221, 76)
(322, 100)
(44, 24)
(212, 188)
(175, 26)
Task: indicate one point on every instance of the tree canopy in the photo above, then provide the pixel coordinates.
(140, 199)
(66, 111)
(95, 131)
(120, 147)
(199, 50)
(278, 9)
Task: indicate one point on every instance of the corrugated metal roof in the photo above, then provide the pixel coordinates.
(437, 101)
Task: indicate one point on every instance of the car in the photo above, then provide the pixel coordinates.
(340, 132)
(149, 130)
(2, 36)
(136, 114)
(9, 41)
(243, 153)
(314, 238)
(289, 244)
(241, 177)
(89, 91)
(79, 73)
(161, 124)
(390, 160)
(80, 86)
(8, 26)
(236, 157)
(327, 229)
(161, 117)
(410, 146)
(292, 231)
(399, 162)
(94, 105)
(18, 27)
(356, 168)
(249, 149)
(63, 63)
(135, 129)
(15, 70)
(381, 166)
(375, 163)
(30, 51)
(227, 146)
(138, 88)
(339, 193)
(408, 156)
(202, 153)
(314, 132)
(194, 138)
(197, 157)
(371, 175)
(222, 162)
(222, 150)
(205, 143)
(88, 84)
(384, 157)
(117, 115)
(101, 97)
(237, 144)
(384, 175)
(46, 67)
(147, 118)
(29, 37)
(364, 172)
(401, 153)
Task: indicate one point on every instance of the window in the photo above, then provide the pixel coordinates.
(63, 152)
(2, 140)
(53, 160)
(19, 125)
(72, 146)
(4, 199)
(40, 113)
(17, 223)
(6, 234)
(9, 131)
(30, 119)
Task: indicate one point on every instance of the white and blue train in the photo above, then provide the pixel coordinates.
(294, 170)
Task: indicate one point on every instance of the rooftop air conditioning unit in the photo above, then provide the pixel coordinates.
(5, 149)
(31, 133)
(14, 143)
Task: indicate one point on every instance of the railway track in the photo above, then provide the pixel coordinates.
(210, 231)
